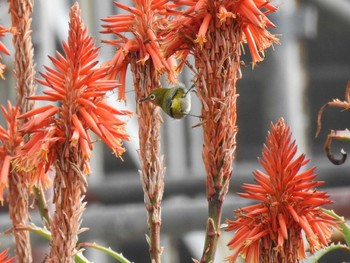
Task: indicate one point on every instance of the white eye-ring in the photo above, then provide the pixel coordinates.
(152, 97)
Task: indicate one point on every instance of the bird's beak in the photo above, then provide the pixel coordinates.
(144, 99)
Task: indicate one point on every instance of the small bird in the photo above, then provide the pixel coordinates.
(174, 101)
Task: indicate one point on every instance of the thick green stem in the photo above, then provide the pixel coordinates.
(78, 256)
(213, 230)
(344, 226)
(40, 201)
(108, 251)
(154, 223)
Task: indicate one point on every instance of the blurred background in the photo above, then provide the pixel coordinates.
(310, 67)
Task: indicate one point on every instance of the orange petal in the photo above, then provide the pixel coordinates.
(5, 169)
(252, 46)
(283, 226)
(35, 111)
(90, 121)
(79, 126)
(3, 49)
(86, 103)
(130, 9)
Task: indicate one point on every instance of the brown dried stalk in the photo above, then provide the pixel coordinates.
(152, 169)
(345, 105)
(24, 72)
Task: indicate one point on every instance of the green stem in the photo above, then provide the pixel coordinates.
(40, 201)
(321, 253)
(154, 222)
(213, 229)
(344, 226)
(107, 251)
(78, 257)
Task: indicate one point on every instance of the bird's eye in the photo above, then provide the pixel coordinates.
(152, 97)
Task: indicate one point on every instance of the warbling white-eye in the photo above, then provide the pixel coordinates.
(174, 101)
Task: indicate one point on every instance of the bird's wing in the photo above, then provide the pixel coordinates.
(169, 103)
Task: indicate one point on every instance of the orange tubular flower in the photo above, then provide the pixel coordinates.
(79, 89)
(11, 141)
(194, 24)
(142, 22)
(254, 23)
(3, 49)
(4, 257)
(271, 231)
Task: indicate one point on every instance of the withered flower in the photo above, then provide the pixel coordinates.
(343, 135)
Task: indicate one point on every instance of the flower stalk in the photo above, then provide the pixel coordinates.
(60, 133)
(24, 53)
(144, 54)
(152, 167)
(214, 31)
(218, 97)
(24, 74)
(40, 201)
(69, 209)
(12, 140)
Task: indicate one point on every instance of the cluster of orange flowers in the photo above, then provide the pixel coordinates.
(79, 88)
(11, 140)
(174, 32)
(288, 203)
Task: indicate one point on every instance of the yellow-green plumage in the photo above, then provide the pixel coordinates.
(174, 101)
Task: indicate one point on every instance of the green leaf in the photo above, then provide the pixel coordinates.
(108, 251)
(42, 231)
(344, 226)
(319, 254)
